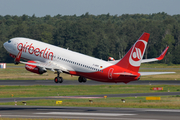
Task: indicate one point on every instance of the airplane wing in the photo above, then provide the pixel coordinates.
(154, 73)
(147, 60)
(156, 59)
(47, 65)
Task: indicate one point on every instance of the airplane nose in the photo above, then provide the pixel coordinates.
(7, 46)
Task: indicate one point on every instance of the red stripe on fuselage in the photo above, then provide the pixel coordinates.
(107, 75)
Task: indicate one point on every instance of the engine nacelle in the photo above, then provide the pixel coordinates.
(34, 68)
(111, 58)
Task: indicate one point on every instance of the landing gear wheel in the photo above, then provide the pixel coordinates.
(60, 80)
(82, 79)
(56, 79)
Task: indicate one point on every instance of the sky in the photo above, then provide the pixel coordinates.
(95, 7)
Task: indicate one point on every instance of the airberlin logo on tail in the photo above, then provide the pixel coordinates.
(45, 53)
(137, 53)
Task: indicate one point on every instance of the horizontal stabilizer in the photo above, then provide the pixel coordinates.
(154, 73)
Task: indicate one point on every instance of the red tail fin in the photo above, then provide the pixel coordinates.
(132, 59)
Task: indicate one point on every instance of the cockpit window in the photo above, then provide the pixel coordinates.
(9, 41)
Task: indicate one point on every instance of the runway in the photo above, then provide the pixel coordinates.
(88, 113)
(89, 82)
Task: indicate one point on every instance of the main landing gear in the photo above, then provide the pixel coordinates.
(82, 79)
(58, 79)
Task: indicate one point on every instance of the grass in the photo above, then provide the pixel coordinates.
(20, 73)
(74, 90)
(166, 102)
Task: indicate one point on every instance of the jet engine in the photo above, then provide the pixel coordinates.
(34, 68)
(111, 58)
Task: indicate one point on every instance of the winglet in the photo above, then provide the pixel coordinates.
(163, 54)
(18, 57)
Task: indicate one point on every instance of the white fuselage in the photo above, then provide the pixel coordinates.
(42, 56)
(40, 51)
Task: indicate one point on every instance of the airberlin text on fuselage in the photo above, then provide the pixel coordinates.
(36, 51)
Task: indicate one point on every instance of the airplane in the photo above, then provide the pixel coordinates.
(41, 57)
